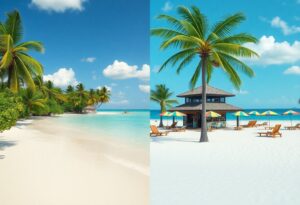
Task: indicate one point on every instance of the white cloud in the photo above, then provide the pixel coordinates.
(167, 6)
(107, 87)
(58, 5)
(62, 78)
(145, 88)
(89, 59)
(277, 22)
(240, 92)
(121, 70)
(274, 53)
(295, 70)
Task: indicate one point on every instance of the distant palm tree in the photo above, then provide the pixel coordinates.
(19, 66)
(32, 100)
(92, 98)
(162, 95)
(70, 89)
(212, 48)
(48, 89)
(103, 95)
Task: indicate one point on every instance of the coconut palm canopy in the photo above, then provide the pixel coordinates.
(254, 113)
(162, 95)
(212, 114)
(17, 64)
(240, 113)
(209, 46)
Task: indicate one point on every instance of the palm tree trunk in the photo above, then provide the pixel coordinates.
(161, 120)
(203, 137)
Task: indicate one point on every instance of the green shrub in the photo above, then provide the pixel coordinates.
(11, 108)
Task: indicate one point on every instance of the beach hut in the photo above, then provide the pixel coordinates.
(216, 102)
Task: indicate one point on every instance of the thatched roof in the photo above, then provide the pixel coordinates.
(210, 91)
(209, 107)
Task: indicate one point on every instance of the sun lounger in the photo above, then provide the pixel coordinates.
(171, 126)
(251, 123)
(297, 126)
(156, 132)
(179, 129)
(273, 133)
(261, 124)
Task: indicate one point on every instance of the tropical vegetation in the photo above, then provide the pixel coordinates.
(209, 48)
(23, 92)
(162, 96)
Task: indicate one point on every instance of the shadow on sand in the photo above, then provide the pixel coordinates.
(4, 144)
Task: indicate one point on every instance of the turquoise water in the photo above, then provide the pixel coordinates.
(131, 127)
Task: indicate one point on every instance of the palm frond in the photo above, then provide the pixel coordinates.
(225, 26)
(177, 57)
(31, 45)
(196, 75)
(13, 26)
(236, 50)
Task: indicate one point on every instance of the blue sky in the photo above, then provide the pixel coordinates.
(276, 24)
(83, 37)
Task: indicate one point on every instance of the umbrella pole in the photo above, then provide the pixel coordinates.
(237, 121)
(173, 119)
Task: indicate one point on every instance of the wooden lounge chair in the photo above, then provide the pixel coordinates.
(179, 129)
(156, 132)
(251, 123)
(261, 124)
(297, 126)
(171, 126)
(272, 133)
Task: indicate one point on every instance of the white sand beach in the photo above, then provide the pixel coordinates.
(235, 167)
(45, 163)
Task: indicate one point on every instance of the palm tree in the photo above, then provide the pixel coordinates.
(211, 48)
(92, 98)
(17, 63)
(103, 95)
(70, 89)
(162, 95)
(32, 100)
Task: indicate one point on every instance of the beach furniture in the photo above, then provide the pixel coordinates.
(273, 133)
(297, 126)
(261, 124)
(173, 125)
(251, 123)
(156, 132)
(179, 129)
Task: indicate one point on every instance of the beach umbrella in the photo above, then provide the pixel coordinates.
(164, 114)
(254, 113)
(269, 113)
(290, 113)
(238, 114)
(212, 114)
(176, 114)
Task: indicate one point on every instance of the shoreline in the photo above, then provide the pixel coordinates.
(38, 152)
